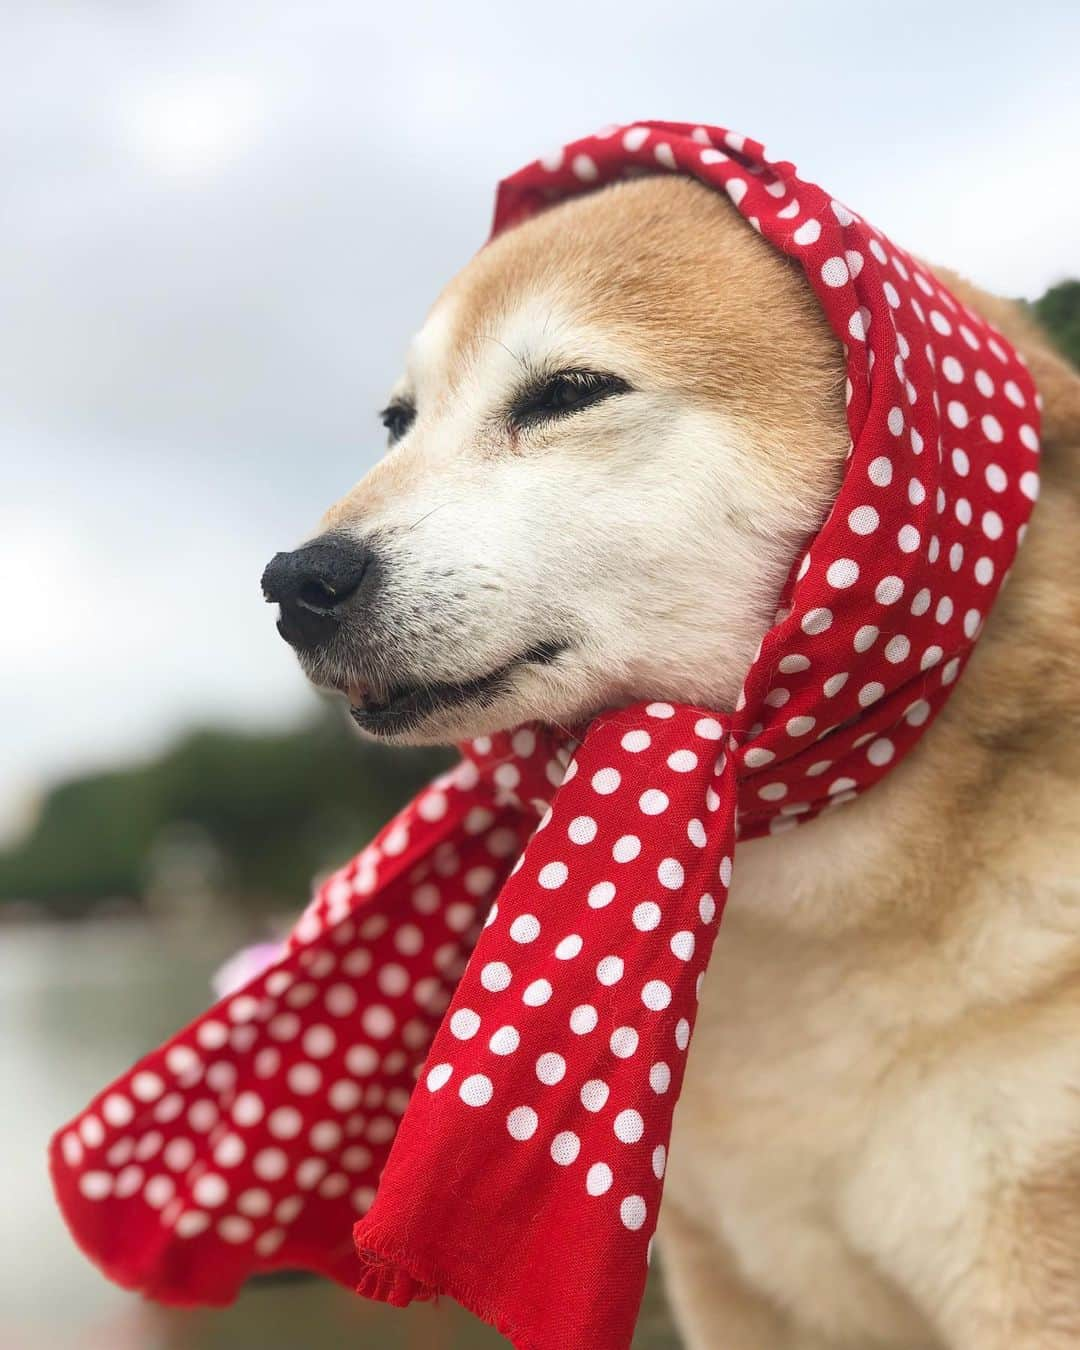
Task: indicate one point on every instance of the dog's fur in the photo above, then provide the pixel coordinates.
(878, 1143)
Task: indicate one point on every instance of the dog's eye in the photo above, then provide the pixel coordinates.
(397, 418)
(567, 392)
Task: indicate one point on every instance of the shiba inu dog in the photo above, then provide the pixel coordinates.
(614, 433)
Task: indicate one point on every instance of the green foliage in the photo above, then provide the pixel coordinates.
(276, 809)
(1059, 313)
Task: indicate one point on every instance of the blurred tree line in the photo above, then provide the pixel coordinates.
(247, 816)
(1059, 313)
(251, 817)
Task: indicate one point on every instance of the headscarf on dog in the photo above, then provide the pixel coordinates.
(460, 1077)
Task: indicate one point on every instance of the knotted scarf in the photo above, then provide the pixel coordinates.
(460, 1077)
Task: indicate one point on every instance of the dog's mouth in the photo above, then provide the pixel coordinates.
(397, 708)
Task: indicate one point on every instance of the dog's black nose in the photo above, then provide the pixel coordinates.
(313, 586)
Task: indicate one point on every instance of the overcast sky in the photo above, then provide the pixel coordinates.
(220, 222)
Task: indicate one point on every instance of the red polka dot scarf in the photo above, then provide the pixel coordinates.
(460, 1077)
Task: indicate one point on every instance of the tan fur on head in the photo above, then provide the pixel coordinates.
(878, 1143)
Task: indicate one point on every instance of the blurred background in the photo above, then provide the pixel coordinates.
(220, 223)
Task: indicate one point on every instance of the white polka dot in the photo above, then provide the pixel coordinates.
(626, 849)
(537, 994)
(670, 874)
(636, 741)
(897, 649)
(212, 1035)
(285, 1122)
(880, 471)
(708, 728)
(866, 637)
(707, 908)
(178, 1155)
(594, 1094)
(1029, 438)
(584, 167)
(695, 832)
(656, 995)
(565, 1148)
(495, 976)
(772, 792)
(96, 1185)
(606, 781)
(522, 1123)
(378, 1021)
(525, 928)
(984, 571)
(438, 1077)
(682, 761)
(624, 1042)
(598, 1179)
(870, 693)
(834, 272)
(629, 1126)
(757, 756)
(660, 1078)
(210, 1190)
(270, 1164)
(653, 802)
(863, 520)
(582, 830)
(610, 970)
(880, 751)
(816, 621)
(859, 323)
(505, 1041)
(952, 370)
(992, 525)
(146, 1086)
(682, 1033)
(117, 1110)
(191, 1223)
(601, 894)
(551, 1068)
(1029, 485)
(159, 1190)
(888, 590)
(464, 1024)
(842, 573)
(808, 232)
(583, 1019)
(908, 538)
(930, 657)
(476, 1090)
(633, 1212)
(972, 619)
(552, 876)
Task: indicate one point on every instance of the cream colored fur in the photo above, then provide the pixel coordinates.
(878, 1143)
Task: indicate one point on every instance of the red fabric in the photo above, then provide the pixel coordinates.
(523, 1173)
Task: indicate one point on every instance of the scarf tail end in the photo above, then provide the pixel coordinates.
(391, 1276)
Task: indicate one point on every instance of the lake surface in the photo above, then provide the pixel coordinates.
(79, 1003)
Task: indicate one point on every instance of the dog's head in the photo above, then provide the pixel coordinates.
(614, 433)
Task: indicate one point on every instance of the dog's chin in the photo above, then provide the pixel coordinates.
(413, 710)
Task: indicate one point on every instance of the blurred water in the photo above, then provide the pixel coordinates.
(77, 1004)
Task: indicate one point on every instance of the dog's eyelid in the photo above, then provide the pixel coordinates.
(558, 393)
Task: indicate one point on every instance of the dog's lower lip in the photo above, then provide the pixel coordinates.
(401, 707)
